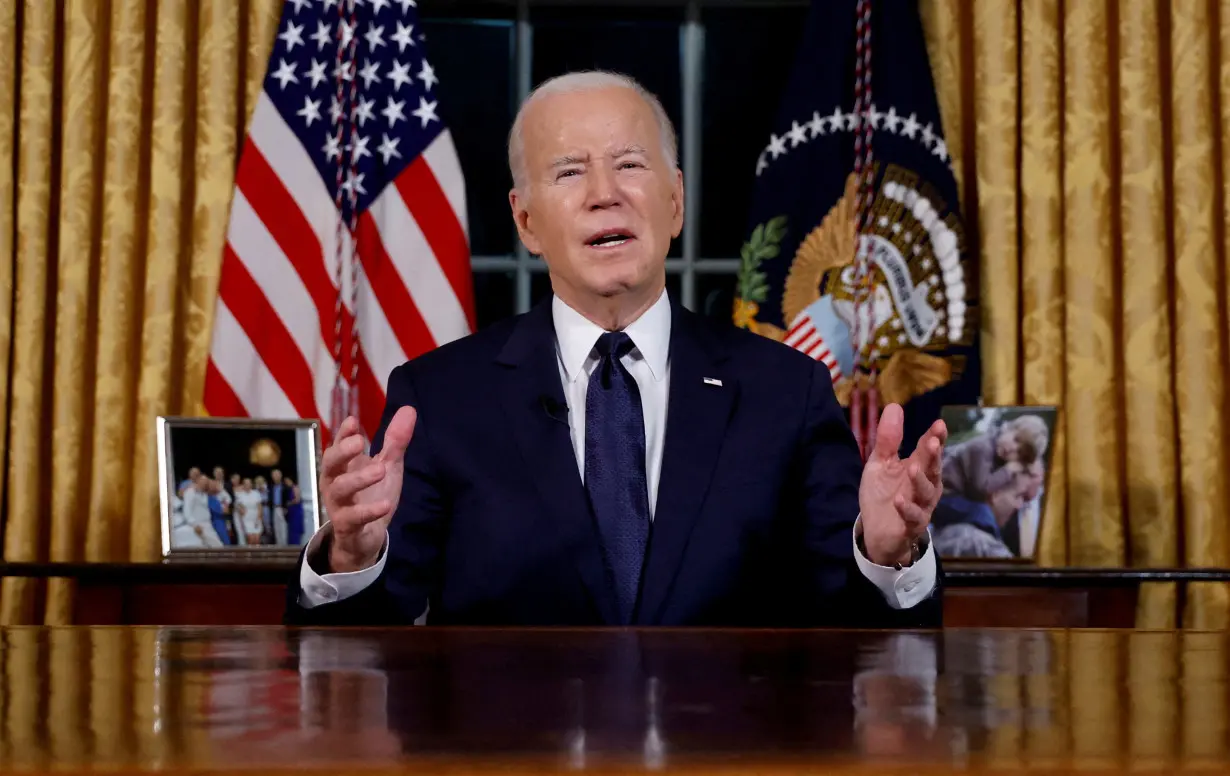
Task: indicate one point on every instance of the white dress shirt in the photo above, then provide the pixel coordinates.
(649, 364)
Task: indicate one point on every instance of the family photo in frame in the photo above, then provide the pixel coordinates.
(995, 469)
(237, 488)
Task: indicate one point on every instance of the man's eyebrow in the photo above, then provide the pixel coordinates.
(564, 160)
(628, 149)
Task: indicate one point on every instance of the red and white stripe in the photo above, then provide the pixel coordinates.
(805, 337)
(274, 336)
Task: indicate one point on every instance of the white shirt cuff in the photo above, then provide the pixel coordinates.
(315, 589)
(901, 589)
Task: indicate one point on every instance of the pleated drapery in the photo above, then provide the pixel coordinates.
(1091, 150)
(124, 130)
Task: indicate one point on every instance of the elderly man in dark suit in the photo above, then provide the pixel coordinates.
(610, 458)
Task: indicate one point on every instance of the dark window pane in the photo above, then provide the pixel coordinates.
(641, 43)
(715, 295)
(494, 296)
(540, 287)
(674, 286)
(748, 56)
(473, 60)
(465, 10)
(632, 41)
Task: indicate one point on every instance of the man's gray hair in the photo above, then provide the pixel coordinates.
(580, 81)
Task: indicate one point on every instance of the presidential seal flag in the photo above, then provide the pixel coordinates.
(855, 252)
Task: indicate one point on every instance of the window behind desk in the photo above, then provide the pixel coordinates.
(717, 65)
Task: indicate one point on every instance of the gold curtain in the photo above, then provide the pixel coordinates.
(1090, 143)
(122, 121)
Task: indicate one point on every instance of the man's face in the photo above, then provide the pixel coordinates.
(1034, 477)
(219, 474)
(1007, 500)
(246, 485)
(601, 200)
(277, 477)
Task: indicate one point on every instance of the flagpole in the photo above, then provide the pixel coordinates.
(345, 400)
(863, 425)
(351, 118)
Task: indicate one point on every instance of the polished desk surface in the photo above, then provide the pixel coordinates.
(527, 701)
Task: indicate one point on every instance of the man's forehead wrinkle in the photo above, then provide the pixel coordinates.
(631, 148)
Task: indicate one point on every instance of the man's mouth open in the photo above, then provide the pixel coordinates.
(610, 238)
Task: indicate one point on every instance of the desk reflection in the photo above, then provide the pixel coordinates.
(577, 699)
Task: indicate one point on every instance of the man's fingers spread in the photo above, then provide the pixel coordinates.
(359, 515)
(339, 455)
(350, 426)
(929, 455)
(350, 483)
(924, 488)
(333, 462)
(374, 510)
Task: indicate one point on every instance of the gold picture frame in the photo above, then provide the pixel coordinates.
(207, 520)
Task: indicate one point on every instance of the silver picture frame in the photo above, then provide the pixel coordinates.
(206, 521)
(988, 514)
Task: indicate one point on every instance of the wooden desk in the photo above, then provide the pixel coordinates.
(254, 594)
(470, 700)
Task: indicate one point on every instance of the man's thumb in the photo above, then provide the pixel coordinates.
(889, 432)
(398, 434)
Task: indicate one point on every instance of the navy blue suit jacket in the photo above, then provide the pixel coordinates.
(756, 502)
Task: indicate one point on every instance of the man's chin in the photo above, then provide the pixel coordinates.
(616, 284)
(614, 288)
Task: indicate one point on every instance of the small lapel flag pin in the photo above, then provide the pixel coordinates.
(713, 381)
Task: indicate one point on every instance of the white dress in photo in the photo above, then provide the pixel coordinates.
(251, 503)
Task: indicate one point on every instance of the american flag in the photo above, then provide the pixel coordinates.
(346, 251)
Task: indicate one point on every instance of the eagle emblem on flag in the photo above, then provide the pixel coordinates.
(855, 251)
(918, 291)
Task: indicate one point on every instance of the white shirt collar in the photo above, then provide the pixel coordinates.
(576, 335)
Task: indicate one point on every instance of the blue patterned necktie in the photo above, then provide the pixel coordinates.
(615, 468)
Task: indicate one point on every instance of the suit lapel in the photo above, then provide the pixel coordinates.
(696, 417)
(531, 381)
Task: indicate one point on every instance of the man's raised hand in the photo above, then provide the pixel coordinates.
(360, 493)
(897, 497)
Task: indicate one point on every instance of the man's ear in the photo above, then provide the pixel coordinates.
(677, 200)
(521, 217)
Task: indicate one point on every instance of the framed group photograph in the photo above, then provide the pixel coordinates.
(996, 465)
(238, 488)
